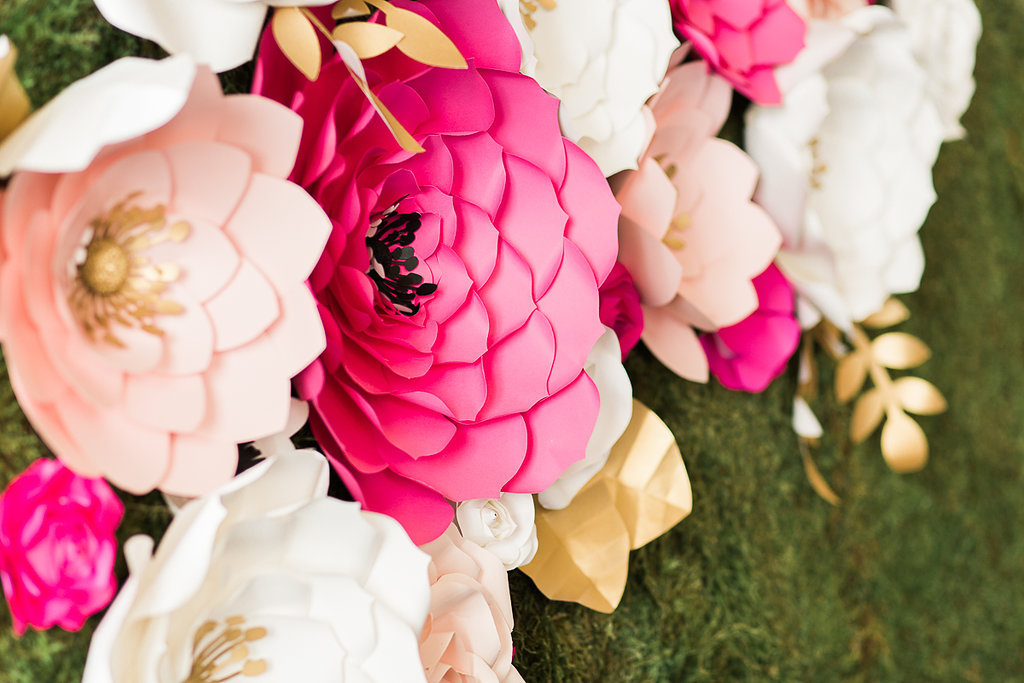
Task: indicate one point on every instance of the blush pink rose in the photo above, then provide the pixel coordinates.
(689, 233)
(153, 304)
(459, 288)
(620, 308)
(747, 356)
(743, 40)
(468, 634)
(57, 546)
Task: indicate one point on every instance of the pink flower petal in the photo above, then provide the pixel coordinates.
(243, 310)
(166, 402)
(245, 120)
(199, 465)
(518, 368)
(675, 344)
(192, 165)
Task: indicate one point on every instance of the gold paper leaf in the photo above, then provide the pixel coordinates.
(404, 138)
(14, 104)
(904, 444)
(850, 375)
(423, 41)
(814, 476)
(348, 9)
(367, 40)
(899, 351)
(893, 312)
(582, 550)
(297, 38)
(919, 396)
(867, 414)
(646, 474)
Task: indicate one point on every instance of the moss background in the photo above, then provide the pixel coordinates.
(912, 578)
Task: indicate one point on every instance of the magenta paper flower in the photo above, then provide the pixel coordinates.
(747, 356)
(57, 546)
(620, 308)
(743, 40)
(152, 303)
(459, 288)
(689, 234)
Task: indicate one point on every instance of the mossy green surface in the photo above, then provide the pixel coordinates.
(912, 578)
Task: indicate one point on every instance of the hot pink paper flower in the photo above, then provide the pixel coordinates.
(743, 40)
(57, 546)
(468, 635)
(747, 356)
(620, 308)
(689, 234)
(459, 288)
(153, 303)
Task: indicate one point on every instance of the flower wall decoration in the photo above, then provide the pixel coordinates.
(459, 287)
(152, 320)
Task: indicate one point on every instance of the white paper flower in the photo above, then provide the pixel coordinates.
(221, 33)
(504, 526)
(846, 166)
(603, 59)
(604, 366)
(945, 36)
(513, 11)
(270, 579)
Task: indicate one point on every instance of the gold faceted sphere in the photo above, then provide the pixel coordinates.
(106, 267)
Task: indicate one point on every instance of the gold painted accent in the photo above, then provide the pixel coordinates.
(673, 239)
(818, 168)
(225, 656)
(14, 104)
(114, 283)
(528, 7)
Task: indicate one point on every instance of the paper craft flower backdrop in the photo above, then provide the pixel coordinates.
(151, 315)
(459, 287)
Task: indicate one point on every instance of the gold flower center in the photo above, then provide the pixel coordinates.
(528, 7)
(114, 283)
(220, 653)
(106, 267)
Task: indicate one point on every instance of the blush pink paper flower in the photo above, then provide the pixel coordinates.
(153, 304)
(743, 40)
(459, 287)
(747, 356)
(620, 308)
(689, 234)
(468, 635)
(57, 546)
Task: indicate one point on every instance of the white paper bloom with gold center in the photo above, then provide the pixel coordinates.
(846, 166)
(153, 305)
(268, 580)
(945, 36)
(603, 59)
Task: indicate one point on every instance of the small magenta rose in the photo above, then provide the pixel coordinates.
(57, 546)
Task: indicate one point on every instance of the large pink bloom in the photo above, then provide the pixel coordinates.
(689, 234)
(57, 546)
(459, 288)
(747, 356)
(744, 40)
(153, 305)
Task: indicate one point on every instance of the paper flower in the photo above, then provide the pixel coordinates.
(689, 234)
(267, 578)
(57, 546)
(826, 9)
(220, 33)
(152, 301)
(459, 286)
(14, 104)
(944, 35)
(743, 41)
(620, 308)
(747, 356)
(846, 166)
(603, 59)
(502, 526)
(468, 636)
(604, 366)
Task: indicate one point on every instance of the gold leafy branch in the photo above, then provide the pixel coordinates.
(295, 29)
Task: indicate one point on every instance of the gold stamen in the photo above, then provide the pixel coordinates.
(226, 652)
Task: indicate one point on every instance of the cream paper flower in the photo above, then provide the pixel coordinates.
(604, 366)
(846, 166)
(503, 526)
(221, 33)
(270, 580)
(945, 36)
(603, 59)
